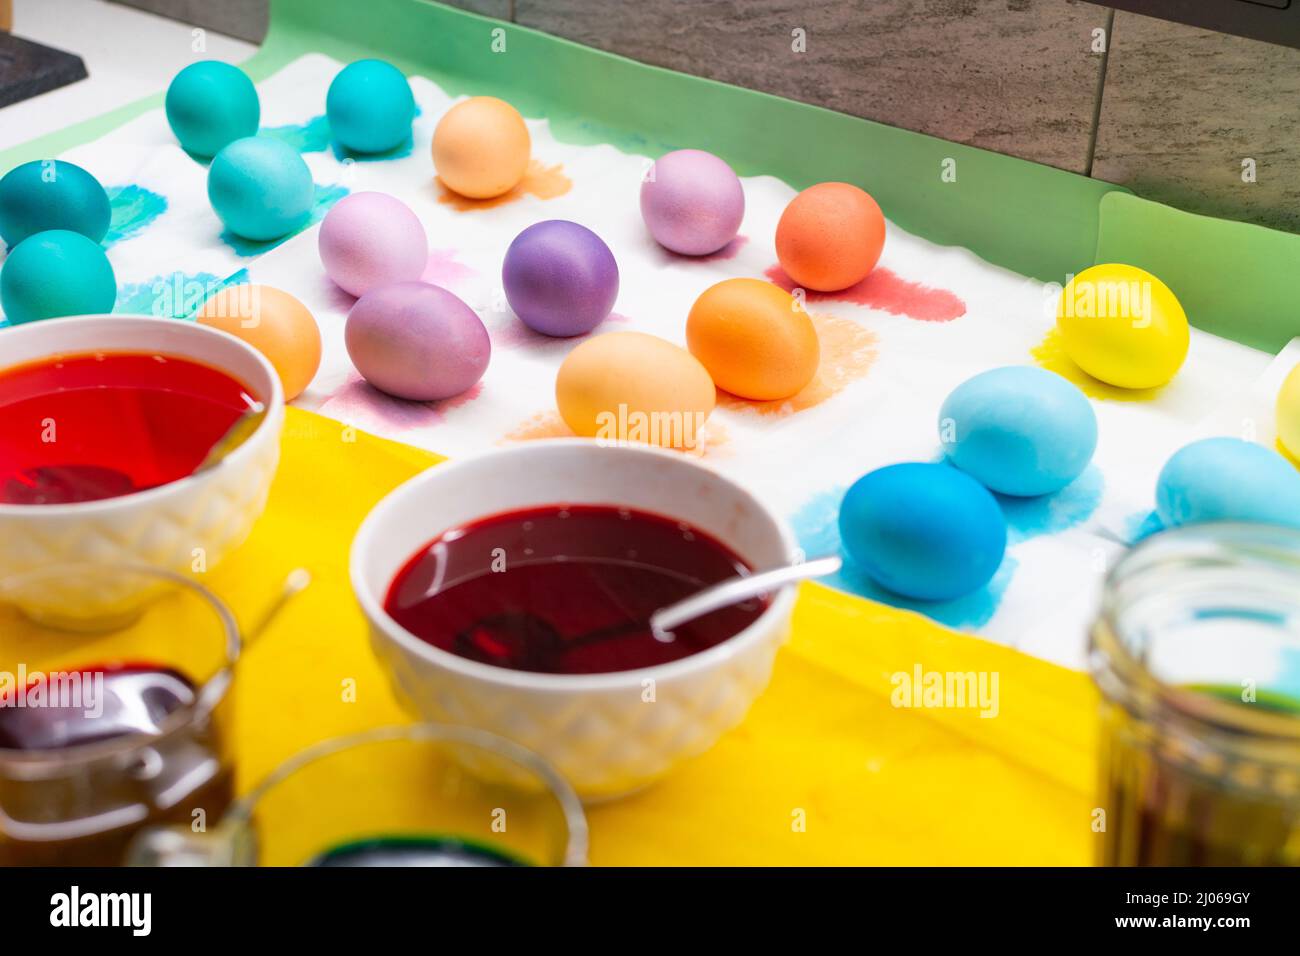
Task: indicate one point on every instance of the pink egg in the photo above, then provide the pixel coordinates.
(417, 341)
(692, 202)
(370, 240)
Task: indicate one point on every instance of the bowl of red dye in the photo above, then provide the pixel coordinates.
(103, 423)
(512, 592)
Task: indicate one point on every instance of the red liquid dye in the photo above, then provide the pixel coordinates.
(90, 704)
(100, 425)
(566, 590)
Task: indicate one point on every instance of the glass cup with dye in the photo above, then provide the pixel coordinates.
(419, 795)
(119, 723)
(1197, 656)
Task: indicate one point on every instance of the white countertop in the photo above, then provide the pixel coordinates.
(128, 54)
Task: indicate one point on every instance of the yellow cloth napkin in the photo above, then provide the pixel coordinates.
(825, 770)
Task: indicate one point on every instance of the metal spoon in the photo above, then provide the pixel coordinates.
(239, 432)
(733, 591)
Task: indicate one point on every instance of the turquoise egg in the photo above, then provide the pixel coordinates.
(52, 194)
(1227, 479)
(261, 188)
(370, 107)
(1019, 430)
(56, 273)
(925, 531)
(211, 104)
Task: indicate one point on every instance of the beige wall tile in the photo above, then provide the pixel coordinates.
(1184, 107)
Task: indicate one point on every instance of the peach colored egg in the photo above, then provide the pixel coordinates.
(481, 148)
(830, 237)
(632, 387)
(274, 323)
(754, 338)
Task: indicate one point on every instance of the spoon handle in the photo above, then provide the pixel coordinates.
(734, 590)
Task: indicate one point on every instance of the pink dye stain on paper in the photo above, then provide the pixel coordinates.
(729, 251)
(444, 270)
(848, 351)
(509, 332)
(541, 181)
(359, 403)
(888, 292)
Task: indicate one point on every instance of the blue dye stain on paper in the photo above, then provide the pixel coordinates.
(326, 197)
(1138, 527)
(314, 136)
(816, 525)
(134, 209)
(175, 296)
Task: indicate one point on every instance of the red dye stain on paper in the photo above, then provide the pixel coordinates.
(888, 292)
(360, 404)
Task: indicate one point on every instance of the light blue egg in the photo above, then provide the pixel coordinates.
(52, 194)
(56, 273)
(370, 107)
(261, 188)
(925, 531)
(1227, 479)
(211, 104)
(1019, 430)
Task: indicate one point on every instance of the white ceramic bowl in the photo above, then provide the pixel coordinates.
(183, 526)
(609, 734)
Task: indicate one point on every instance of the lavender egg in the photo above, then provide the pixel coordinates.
(372, 239)
(560, 278)
(417, 341)
(692, 202)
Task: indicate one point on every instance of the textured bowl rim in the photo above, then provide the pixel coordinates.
(365, 539)
(84, 509)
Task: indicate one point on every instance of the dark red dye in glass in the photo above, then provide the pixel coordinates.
(100, 425)
(566, 590)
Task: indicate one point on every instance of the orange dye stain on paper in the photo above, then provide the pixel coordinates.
(543, 182)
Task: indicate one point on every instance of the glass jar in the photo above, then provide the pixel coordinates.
(1197, 656)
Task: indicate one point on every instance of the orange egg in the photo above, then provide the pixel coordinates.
(630, 386)
(754, 338)
(830, 237)
(274, 323)
(481, 148)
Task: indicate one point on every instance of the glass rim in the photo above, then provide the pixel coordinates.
(210, 693)
(240, 812)
(1224, 544)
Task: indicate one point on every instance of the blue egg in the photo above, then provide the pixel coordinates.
(211, 104)
(1019, 430)
(56, 273)
(261, 188)
(1227, 479)
(370, 107)
(925, 531)
(52, 194)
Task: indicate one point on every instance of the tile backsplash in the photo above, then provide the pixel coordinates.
(1196, 119)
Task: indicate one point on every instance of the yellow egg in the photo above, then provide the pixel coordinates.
(754, 338)
(274, 323)
(1288, 413)
(481, 148)
(1123, 326)
(633, 387)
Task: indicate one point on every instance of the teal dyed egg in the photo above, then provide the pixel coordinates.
(1227, 479)
(260, 188)
(1019, 430)
(370, 107)
(56, 273)
(211, 104)
(52, 194)
(925, 531)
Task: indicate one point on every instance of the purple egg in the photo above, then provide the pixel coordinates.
(560, 278)
(417, 341)
(692, 202)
